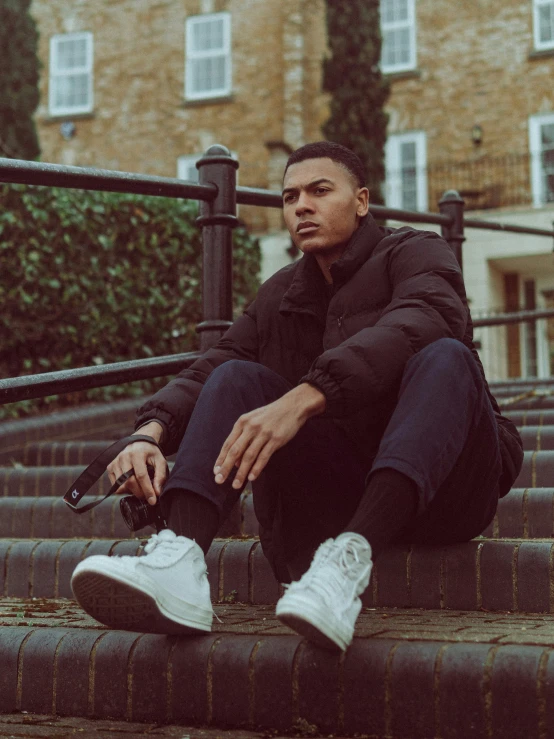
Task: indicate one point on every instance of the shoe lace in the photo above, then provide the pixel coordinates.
(332, 568)
(160, 551)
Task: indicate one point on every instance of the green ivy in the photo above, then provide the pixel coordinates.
(358, 89)
(92, 278)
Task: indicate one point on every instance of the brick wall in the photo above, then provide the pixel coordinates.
(475, 65)
(141, 122)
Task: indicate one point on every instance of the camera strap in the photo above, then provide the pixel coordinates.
(96, 469)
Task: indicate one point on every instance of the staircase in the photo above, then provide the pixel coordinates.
(453, 642)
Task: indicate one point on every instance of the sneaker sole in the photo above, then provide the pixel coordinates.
(306, 621)
(119, 605)
(309, 632)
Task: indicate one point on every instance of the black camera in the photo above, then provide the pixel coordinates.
(138, 513)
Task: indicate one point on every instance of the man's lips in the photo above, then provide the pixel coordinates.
(306, 227)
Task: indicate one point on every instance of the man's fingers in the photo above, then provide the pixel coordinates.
(160, 475)
(234, 453)
(143, 479)
(229, 441)
(248, 459)
(263, 458)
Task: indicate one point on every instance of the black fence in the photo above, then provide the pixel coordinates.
(218, 195)
(484, 181)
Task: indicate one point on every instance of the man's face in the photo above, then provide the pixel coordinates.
(322, 205)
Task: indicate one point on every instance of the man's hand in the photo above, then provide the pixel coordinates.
(258, 434)
(136, 456)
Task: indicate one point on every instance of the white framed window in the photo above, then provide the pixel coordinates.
(71, 72)
(541, 147)
(186, 166)
(406, 171)
(543, 24)
(398, 29)
(208, 56)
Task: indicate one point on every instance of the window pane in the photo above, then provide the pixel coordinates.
(393, 11)
(547, 158)
(208, 74)
(71, 53)
(71, 91)
(396, 47)
(408, 158)
(207, 35)
(546, 22)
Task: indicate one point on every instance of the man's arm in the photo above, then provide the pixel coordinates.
(172, 406)
(428, 303)
(166, 415)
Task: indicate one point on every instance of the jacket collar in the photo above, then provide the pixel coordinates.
(307, 288)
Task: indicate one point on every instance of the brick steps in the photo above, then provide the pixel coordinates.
(22, 482)
(525, 513)
(537, 471)
(495, 575)
(112, 420)
(540, 401)
(65, 453)
(454, 642)
(523, 418)
(48, 517)
(476, 677)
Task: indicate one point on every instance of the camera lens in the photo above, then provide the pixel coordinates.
(136, 513)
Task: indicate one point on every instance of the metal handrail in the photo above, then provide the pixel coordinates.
(30, 387)
(501, 319)
(18, 171)
(507, 227)
(218, 193)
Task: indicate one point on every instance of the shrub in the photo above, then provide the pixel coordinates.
(90, 278)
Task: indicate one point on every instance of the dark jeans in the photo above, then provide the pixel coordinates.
(441, 433)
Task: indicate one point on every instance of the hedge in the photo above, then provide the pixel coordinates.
(89, 278)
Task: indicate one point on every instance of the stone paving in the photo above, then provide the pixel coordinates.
(36, 726)
(237, 618)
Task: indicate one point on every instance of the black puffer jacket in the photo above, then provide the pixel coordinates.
(394, 292)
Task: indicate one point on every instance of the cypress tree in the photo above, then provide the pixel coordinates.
(19, 74)
(358, 89)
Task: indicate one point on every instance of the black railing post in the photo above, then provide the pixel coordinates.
(452, 204)
(217, 218)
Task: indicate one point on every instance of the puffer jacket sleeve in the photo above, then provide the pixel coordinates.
(428, 303)
(173, 404)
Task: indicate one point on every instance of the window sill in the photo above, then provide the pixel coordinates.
(67, 117)
(541, 53)
(230, 98)
(405, 74)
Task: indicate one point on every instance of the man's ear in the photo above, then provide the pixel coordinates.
(363, 202)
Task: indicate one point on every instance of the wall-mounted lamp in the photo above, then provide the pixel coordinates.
(68, 130)
(477, 134)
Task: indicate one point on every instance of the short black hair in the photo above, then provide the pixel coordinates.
(337, 152)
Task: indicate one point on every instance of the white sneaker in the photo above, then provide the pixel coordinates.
(324, 604)
(165, 590)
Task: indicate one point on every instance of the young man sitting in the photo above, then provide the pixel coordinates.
(349, 394)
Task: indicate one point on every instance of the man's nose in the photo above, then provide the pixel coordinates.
(304, 204)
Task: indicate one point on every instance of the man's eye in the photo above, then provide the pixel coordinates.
(321, 189)
(288, 198)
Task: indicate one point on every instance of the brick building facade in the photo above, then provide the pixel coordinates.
(147, 85)
(141, 115)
